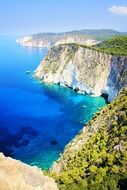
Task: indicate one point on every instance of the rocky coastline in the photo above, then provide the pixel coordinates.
(84, 69)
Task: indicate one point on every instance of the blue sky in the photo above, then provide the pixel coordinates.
(31, 16)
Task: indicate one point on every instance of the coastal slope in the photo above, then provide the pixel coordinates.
(89, 70)
(96, 159)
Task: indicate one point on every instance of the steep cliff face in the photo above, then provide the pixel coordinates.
(117, 77)
(84, 69)
(97, 157)
(14, 175)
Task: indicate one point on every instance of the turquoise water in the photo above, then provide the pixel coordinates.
(36, 120)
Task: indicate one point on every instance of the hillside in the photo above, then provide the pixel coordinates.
(97, 158)
(115, 46)
(88, 33)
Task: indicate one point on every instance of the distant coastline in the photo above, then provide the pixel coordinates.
(83, 37)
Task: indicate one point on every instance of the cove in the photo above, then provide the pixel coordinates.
(37, 120)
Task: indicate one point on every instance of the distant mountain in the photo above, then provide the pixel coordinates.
(85, 36)
(97, 32)
(83, 31)
(94, 33)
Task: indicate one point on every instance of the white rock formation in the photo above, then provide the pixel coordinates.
(77, 39)
(28, 41)
(85, 70)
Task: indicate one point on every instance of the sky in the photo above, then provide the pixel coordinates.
(21, 17)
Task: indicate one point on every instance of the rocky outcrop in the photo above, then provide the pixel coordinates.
(29, 41)
(77, 39)
(84, 69)
(15, 175)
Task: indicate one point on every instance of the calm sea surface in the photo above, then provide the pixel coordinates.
(36, 120)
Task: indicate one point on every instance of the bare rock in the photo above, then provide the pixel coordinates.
(15, 175)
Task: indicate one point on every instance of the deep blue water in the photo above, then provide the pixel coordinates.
(36, 120)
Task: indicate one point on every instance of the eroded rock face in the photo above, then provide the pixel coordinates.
(85, 70)
(15, 175)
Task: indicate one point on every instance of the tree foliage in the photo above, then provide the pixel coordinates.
(116, 46)
(101, 162)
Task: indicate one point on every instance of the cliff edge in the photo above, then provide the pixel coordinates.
(15, 175)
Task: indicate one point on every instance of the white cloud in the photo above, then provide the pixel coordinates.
(119, 10)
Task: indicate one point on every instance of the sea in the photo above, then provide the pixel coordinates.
(37, 120)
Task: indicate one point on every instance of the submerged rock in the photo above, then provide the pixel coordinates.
(53, 142)
(28, 72)
(15, 175)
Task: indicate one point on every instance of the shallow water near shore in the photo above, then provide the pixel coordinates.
(37, 120)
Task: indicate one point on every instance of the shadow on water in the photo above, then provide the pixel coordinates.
(9, 140)
(123, 184)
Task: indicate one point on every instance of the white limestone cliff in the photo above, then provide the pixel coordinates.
(28, 41)
(85, 70)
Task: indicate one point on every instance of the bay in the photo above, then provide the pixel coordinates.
(37, 120)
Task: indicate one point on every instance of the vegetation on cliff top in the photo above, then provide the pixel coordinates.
(114, 46)
(100, 163)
